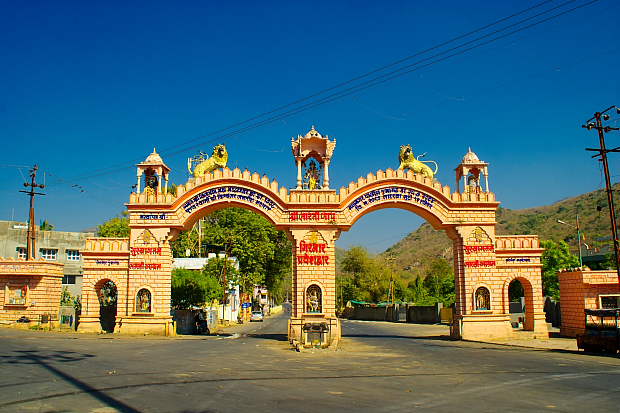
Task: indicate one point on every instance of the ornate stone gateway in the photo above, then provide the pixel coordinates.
(313, 216)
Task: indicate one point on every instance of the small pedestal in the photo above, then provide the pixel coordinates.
(314, 330)
(481, 326)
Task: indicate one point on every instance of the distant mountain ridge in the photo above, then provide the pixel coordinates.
(414, 252)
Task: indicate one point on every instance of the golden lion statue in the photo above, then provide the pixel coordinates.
(205, 165)
(409, 161)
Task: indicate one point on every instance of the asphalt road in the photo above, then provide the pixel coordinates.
(381, 367)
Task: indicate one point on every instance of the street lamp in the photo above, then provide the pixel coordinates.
(578, 236)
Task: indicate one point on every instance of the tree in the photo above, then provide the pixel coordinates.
(187, 240)
(46, 226)
(117, 227)
(259, 247)
(194, 288)
(440, 278)
(555, 257)
(368, 278)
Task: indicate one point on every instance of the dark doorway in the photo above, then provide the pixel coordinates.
(107, 294)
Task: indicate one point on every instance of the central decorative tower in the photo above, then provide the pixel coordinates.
(313, 153)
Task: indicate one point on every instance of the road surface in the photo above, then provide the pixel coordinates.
(381, 367)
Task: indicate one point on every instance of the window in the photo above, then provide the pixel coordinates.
(68, 279)
(73, 255)
(16, 295)
(21, 252)
(610, 301)
(48, 254)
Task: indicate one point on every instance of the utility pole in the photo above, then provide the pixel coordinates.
(596, 122)
(31, 237)
(578, 236)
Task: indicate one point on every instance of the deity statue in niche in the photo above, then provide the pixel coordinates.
(150, 182)
(313, 175)
(483, 299)
(313, 299)
(143, 302)
(473, 184)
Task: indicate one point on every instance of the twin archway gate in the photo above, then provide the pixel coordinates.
(484, 262)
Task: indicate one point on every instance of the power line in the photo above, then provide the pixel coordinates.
(397, 73)
(364, 75)
(376, 80)
(379, 69)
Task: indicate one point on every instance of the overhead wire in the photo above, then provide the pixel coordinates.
(359, 77)
(397, 73)
(381, 78)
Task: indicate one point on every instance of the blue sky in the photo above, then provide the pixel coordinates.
(85, 87)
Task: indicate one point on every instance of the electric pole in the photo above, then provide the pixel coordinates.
(596, 122)
(31, 237)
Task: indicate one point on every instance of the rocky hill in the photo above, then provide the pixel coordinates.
(412, 253)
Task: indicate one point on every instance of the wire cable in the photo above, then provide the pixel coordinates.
(376, 80)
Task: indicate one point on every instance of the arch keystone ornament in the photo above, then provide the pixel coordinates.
(313, 216)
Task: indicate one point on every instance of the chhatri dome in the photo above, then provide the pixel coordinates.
(470, 171)
(470, 157)
(153, 159)
(154, 170)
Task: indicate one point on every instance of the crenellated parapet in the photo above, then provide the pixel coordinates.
(512, 243)
(106, 245)
(254, 178)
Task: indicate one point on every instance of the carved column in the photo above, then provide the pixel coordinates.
(298, 173)
(326, 174)
(486, 180)
(139, 174)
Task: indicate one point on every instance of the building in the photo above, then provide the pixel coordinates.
(54, 246)
(585, 289)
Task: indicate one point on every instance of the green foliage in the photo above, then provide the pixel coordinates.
(439, 283)
(65, 297)
(117, 227)
(45, 225)
(366, 278)
(264, 253)
(196, 288)
(556, 257)
(108, 294)
(186, 241)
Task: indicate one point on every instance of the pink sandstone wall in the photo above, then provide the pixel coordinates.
(580, 290)
(44, 281)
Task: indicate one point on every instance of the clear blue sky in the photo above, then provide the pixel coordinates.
(86, 86)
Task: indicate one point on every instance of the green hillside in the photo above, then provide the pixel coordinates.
(414, 252)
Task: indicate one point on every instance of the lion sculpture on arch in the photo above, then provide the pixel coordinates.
(205, 165)
(409, 161)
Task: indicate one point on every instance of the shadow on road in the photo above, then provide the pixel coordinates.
(43, 360)
(270, 336)
(434, 337)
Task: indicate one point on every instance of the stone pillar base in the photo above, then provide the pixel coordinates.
(481, 327)
(132, 325)
(89, 324)
(156, 325)
(297, 336)
(541, 329)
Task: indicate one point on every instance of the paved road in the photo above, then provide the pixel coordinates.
(381, 367)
